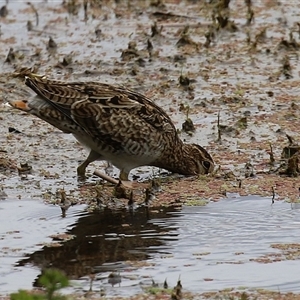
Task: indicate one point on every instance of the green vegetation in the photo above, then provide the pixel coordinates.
(52, 280)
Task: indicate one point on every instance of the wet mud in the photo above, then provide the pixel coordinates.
(227, 76)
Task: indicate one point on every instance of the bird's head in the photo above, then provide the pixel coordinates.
(200, 161)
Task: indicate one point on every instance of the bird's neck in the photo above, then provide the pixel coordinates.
(177, 160)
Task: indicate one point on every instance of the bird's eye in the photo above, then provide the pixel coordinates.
(206, 164)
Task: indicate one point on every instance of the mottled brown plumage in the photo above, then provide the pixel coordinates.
(118, 125)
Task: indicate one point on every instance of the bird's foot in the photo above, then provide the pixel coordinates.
(133, 185)
(126, 183)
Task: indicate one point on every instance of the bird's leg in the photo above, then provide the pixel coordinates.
(123, 175)
(122, 179)
(125, 181)
(109, 169)
(92, 157)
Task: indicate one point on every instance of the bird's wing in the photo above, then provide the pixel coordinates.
(86, 100)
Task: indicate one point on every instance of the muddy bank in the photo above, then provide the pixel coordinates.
(177, 55)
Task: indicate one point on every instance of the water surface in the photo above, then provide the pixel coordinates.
(209, 248)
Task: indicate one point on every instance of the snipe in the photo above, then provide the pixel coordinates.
(118, 125)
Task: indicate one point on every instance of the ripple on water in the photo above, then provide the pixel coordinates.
(210, 247)
(24, 227)
(218, 241)
(213, 248)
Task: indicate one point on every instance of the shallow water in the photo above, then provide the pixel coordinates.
(209, 247)
(25, 227)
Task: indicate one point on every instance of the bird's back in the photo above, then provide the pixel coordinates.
(113, 121)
